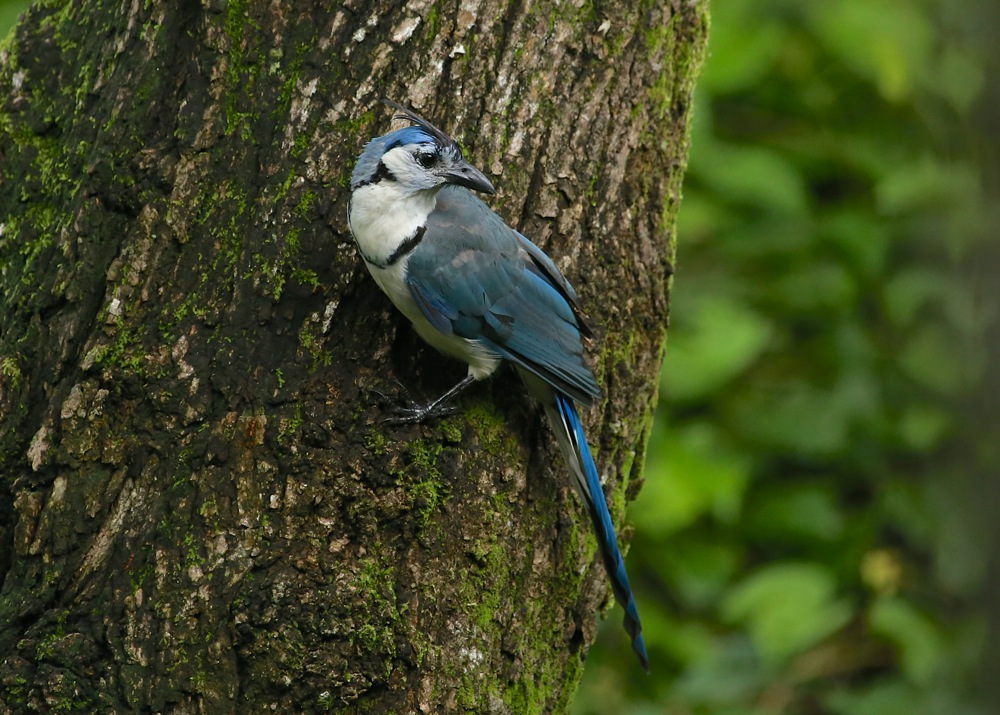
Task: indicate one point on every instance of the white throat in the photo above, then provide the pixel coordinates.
(381, 217)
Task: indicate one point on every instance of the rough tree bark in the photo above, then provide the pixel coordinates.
(200, 510)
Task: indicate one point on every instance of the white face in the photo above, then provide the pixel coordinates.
(414, 166)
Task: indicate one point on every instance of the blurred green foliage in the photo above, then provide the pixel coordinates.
(808, 538)
(10, 10)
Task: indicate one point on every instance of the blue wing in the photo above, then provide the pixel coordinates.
(473, 276)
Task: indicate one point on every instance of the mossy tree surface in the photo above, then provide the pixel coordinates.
(200, 509)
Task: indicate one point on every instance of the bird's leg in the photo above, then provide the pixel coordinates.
(436, 408)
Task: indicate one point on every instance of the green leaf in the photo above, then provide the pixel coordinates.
(917, 639)
(908, 292)
(817, 285)
(741, 59)
(788, 608)
(689, 474)
(699, 570)
(960, 79)
(716, 341)
(925, 181)
(754, 175)
(860, 238)
(932, 358)
(800, 418)
(793, 512)
(889, 42)
(922, 427)
(726, 683)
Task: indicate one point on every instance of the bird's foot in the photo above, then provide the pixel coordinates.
(415, 413)
(411, 412)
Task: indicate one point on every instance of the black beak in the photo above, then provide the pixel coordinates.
(470, 177)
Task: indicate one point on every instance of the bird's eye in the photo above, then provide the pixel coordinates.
(426, 160)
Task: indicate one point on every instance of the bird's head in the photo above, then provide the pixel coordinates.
(419, 157)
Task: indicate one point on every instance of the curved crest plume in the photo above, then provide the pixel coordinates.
(443, 140)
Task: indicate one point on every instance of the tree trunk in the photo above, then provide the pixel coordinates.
(200, 507)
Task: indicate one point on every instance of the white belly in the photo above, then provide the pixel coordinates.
(378, 233)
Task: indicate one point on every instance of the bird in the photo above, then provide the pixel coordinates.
(478, 290)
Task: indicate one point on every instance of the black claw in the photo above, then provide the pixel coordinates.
(414, 413)
(406, 410)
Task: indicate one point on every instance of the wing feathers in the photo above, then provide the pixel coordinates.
(474, 277)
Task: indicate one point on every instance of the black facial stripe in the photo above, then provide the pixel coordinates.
(382, 172)
(406, 246)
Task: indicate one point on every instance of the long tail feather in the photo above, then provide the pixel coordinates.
(573, 442)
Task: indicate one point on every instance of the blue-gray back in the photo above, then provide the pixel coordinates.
(475, 277)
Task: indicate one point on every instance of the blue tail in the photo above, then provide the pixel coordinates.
(573, 442)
